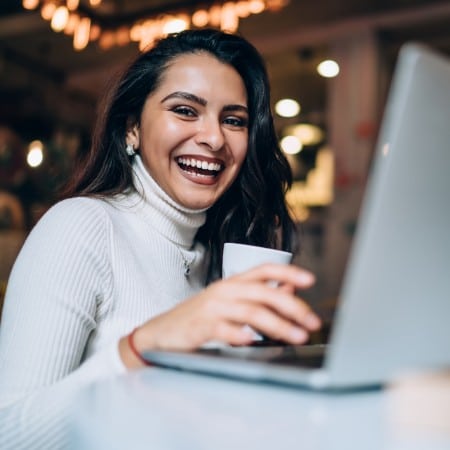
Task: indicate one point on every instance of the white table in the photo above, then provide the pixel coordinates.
(162, 409)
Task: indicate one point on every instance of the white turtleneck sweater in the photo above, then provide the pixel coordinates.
(90, 271)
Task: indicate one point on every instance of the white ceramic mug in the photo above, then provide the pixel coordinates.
(241, 257)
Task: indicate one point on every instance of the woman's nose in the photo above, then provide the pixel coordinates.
(210, 133)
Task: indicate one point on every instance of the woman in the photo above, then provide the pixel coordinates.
(184, 157)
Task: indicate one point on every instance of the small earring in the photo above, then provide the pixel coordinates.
(130, 150)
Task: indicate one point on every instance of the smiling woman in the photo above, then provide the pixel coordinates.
(184, 157)
(188, 119)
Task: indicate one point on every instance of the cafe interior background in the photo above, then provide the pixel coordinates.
(56, 56)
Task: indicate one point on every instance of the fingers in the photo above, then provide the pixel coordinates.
(270, 323)
(233, 333)
(221, 311)
(280, 302)
(281, 273)
(288, 288)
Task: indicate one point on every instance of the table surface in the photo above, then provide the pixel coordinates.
(164, 409)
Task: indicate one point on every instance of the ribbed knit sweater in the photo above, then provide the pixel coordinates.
(90, 271)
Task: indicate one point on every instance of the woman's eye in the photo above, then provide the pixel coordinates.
(184, 111)
(236, 121)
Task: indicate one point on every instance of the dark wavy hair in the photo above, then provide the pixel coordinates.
(253, 210)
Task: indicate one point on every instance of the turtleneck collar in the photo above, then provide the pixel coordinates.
(167, 217)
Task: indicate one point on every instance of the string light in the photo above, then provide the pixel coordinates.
(200, 18)
(82, 32)
(47, 10)
(72, 5)
(65, 15)
(30, 4)
(60, 18)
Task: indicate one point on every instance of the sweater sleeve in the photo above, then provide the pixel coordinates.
(59, 283)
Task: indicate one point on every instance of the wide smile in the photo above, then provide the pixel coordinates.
(200, 167)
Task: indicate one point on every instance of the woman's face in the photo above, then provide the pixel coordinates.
(193, 133)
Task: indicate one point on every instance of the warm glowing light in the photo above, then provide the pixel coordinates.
(136, 32)
(71, 23)
(48, 10)
(287, 107)
(256, 6)
(291, 145)
(276, 5)
(122, 36)
(60, 18)
(150, 30)
(30, 4)
(317, 189)
(215, 14)
(229, 20)
(82, 32)
(200, 18)
(72, 5)
(96, 31)
(242, 9)
(35, 154)
(106, 40)
(64, 16)
(328, 68)
(174, 25)
(307, 133)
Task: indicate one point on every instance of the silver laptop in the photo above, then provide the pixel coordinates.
(393, 314)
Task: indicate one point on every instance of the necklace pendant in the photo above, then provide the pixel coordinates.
(187, 269)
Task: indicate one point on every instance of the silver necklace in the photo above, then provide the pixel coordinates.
(186, 263)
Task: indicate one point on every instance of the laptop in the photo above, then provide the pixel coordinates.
(393, 313)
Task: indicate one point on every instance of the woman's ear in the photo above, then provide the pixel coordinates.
(132, 137)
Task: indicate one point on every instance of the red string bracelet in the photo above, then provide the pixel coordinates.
(134, 349)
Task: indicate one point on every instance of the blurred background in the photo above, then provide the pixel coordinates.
(330, 64)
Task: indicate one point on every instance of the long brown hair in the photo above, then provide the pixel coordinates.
(253, 210)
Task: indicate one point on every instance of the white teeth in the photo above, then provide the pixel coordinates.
(192, 162)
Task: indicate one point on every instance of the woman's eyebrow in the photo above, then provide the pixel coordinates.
(201, 101)
(186, 96)
(235, 108)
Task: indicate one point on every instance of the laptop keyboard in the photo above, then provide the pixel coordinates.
(308, 356)
(296, 360)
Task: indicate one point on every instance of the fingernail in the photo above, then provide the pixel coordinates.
(306, 278)
(298, 335)
(312, 321)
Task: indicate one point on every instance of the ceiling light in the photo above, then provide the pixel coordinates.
(287, 107)
(291, 145)
(307, 133)
(328, 68)
(35, 154)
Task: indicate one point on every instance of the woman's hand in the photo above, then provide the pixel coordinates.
(221, 311)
